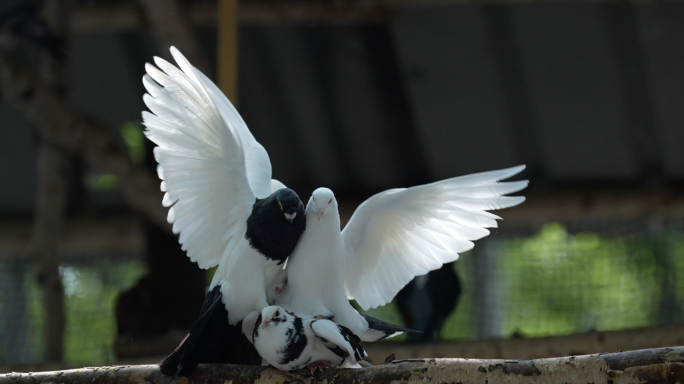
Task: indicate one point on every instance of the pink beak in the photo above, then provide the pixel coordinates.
(265, 323)
(319, 213)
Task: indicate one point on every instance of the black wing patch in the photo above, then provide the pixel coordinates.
(296, 342)
(351, 338)
(354, 341)
(255, 332)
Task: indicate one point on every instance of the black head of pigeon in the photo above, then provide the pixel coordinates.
(276, 223)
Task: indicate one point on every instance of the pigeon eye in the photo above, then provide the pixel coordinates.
(277, 313)
(281, 205)
(330, 201)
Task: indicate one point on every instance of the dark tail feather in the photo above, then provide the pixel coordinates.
(354, 341)
(210, 340)
(379, 329)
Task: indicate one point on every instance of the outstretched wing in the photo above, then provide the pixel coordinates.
(402, 233)
(256, 158)
(211, 171)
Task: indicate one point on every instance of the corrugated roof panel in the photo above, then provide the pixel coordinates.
(661, 31)
(570, 63)
(454, 90)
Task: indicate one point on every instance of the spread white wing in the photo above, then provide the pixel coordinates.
(402, 233)
(211, 166)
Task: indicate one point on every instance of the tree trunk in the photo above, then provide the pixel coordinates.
(50, 202)
(662, 365)
(51, 196)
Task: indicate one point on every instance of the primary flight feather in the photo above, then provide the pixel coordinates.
(392, 237)
(218, 187)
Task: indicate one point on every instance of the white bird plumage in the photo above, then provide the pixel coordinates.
(392, 237)
(212, 170)
(290, 343)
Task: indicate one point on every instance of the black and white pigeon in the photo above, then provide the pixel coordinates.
(221, 198)
(392, 237)
(289, 343)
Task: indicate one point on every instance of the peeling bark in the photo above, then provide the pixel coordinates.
(661, 365)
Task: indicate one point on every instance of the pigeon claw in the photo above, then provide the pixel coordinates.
(279, 289)
(323, 317)
(319, 365)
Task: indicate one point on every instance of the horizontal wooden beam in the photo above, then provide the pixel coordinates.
(123, 235)
(129, 17)
(596, 204)
(650, 365)
(80, 239)
(578, 204)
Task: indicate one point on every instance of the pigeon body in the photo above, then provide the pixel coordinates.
(222, 201)
(391, 238)
(290, 343)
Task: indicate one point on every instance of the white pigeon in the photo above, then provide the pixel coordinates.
(392, 237)
(289, 343)
(221, 198)
(213, 170)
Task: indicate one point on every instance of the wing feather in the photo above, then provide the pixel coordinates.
(202, 161)
(339, 336)
(402, 233)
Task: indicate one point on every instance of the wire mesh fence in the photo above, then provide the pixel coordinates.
(90, 291)
(559, 279)
(534, 281)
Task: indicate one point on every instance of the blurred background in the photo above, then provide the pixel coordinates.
(358, 96)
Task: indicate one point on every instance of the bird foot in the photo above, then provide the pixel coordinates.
(319, 365)
(281, 288)
(291, 313)
(323, 317)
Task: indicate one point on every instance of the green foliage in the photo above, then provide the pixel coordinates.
(461, 324)
(135, 141)
(548, 284)
(102, 182)
(90, 299)
(561, 284)
(555, 283)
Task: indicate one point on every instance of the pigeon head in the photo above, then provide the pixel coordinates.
(276, 223)
(288, 202)
(273, 316)
(322, 202)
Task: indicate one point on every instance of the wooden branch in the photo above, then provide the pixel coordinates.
(169, 22)
(62, 126)
(649, 365)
